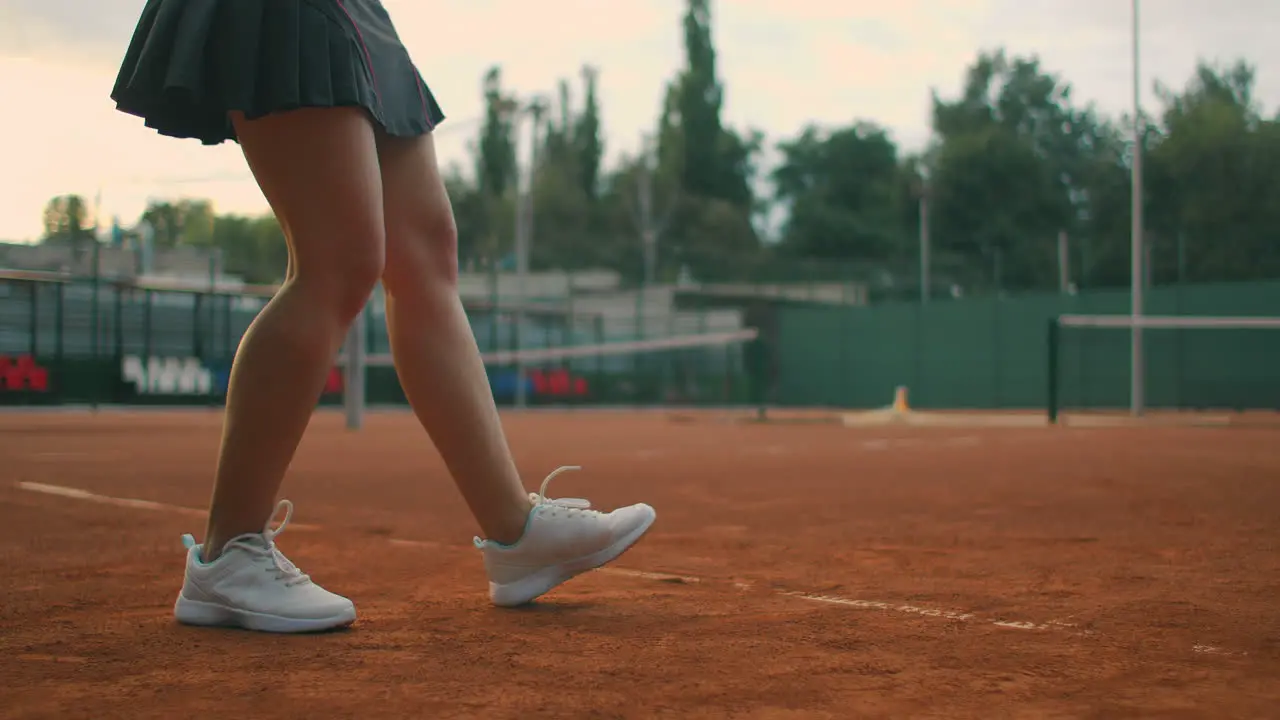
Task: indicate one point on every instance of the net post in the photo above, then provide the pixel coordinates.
(370, 327)
(597, 327)
(228, 347)
(197, 328)
(117, 331)
(353, 388)
(58, 340)
(1051, 395)
(94, 282)
(148, 299)
(33, 319)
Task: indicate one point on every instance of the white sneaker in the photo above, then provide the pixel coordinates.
(252, 585)
(562, 538)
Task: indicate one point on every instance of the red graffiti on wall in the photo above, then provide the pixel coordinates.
(333, 383)
(557, 383)
(22, 374)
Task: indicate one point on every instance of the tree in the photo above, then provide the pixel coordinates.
(843, 192)
(1000, 205)
(587, 141)
(1011, 156)
(1215, 178)
(181, 222)
(710, 161)
(703, 161)
(470, 216)
(1013, 161)
(496, 159)
(698, 99)
(496, 170)
(1101, 245)
(66, 221)
(252, 247)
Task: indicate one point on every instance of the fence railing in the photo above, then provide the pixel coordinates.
(90, 341)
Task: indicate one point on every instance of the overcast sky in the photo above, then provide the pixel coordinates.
(784, 63)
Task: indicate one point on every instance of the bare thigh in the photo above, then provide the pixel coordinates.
(421, 234)
(319, 171)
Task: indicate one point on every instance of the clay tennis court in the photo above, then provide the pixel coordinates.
(795, 571)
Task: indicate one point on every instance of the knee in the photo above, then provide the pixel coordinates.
(343, 281)
(422, 255)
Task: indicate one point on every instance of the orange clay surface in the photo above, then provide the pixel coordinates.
(795, 571)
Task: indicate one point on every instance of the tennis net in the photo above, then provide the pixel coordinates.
(1190, 363)
(690, 369)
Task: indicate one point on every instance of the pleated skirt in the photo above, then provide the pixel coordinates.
(192, 62)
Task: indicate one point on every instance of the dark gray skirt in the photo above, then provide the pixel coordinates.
(191, 62)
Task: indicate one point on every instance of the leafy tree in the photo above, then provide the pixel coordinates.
(496, 159)
(1216, 177)
(704, 163)
(181, 222)
(66, 221)
(1009, 168)
(843, 191)
(252, 247)
(587, 141)
(496, 171)
(1014, 160)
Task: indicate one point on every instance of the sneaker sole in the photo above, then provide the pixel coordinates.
(205, 614)
(534, 586)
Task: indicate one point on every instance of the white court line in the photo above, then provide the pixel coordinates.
(416, 543)
(958, 615)
(662, 577)
(878, 605)
(876, 444)
(945, 614)
(77, 494)
(1211, 650)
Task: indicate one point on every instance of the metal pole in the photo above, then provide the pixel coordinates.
(95, 312)
(522, 274)
(536, 109)
(1137, 379)
(925, 281)
(353, 397)
(1182, 258)
(648, 233)
(1064, 263)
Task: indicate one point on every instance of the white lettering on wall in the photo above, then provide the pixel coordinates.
(167, 376)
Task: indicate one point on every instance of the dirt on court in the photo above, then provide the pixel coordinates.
(795, 571)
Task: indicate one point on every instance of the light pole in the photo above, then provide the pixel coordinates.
(648, 231)
(1137, 378)
(536, 108)
(926, 283)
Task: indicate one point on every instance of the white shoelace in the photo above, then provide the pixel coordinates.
(573, 505)
(263, 547)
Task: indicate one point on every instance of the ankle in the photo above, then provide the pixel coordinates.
(512, 527)
(211, 549)
(206, 554)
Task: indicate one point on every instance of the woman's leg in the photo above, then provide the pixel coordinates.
(437, 359)
(319, 171)
(318, 168)
(531, 546)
